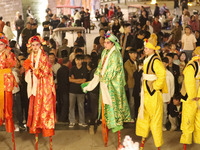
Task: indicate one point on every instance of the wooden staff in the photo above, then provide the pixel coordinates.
(142, 144)
(119, 138)
(184, 146)
(104, 126)
(36, 141)
(50, 143)
(13, 139)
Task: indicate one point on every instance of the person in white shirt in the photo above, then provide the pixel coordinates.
(77, 18)
(167, 96)
(7, 31)
(188, 42)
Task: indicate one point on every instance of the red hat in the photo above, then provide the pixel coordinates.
(33, 39)
(3, 39)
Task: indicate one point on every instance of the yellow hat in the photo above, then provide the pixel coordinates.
(152, 42)
(197, 51)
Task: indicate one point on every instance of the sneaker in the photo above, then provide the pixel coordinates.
(173, 128)
(82, 124)
(132, 121)
(91, 130)
(164, 129)
(22, 128)
(71, 125)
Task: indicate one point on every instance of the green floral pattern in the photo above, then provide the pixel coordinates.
(114, 77)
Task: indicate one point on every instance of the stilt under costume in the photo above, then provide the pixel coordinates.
(113, 101)
(151, 107)
(190, 124)
(41, 93)
(7, 82)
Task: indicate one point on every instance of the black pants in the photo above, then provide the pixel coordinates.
(24, 101)
(94, 103)
(78, 23)
(18, 34)
(63, 106)
(17, 108)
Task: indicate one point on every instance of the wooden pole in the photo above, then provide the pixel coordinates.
(36, 141)
(142, 144)
(13, 139)
(184, 146)
(119, 138)
(50, 143)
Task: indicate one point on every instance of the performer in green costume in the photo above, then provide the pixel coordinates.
(110, 74)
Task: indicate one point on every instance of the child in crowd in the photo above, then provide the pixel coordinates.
(173, 49)
(175, 111)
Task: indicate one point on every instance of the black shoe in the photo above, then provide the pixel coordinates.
(22, 127)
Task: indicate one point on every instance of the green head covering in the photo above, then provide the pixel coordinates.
(113, 39)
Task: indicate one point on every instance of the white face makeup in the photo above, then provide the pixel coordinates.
(35, 46)
(2, 46)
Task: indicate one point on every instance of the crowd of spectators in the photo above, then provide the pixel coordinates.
(71, 67)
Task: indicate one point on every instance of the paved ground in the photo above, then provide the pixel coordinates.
(79, 138)
(82, 140)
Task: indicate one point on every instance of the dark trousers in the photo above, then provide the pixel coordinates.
(64, 106)
(17, 108)
(24, 102)
(78, 23)
(94, 103)
(18, 34)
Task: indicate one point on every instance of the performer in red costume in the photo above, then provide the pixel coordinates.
(41, 91)
(7, 82)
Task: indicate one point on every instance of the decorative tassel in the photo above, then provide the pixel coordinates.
(184, 146)
(50, 143)
(119, 138)
(13, 139)
(158, 148)
(142, 144)
(36, 141)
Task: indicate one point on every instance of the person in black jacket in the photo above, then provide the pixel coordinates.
(137, 75)
(175, 111)
(175, 70)
(94, 103)
(63, 91)
(157, 10)
(80, 42)
(19, 24)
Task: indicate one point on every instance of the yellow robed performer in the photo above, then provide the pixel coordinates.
(190, 91)
(154, 83)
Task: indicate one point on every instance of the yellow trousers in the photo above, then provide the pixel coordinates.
(153, 116)
(190, 122)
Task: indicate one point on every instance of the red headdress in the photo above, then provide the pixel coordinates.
(3, 39)
(33, 39)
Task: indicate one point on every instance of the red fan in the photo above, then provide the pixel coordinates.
(27, 64)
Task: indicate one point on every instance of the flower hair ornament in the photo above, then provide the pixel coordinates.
(145, 41)
(107, 35)
(113, 39)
